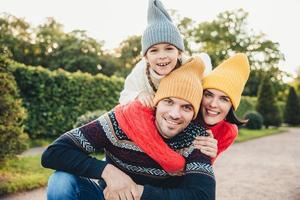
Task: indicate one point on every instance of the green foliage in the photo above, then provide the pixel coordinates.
(49, 46)
(246, 104)
(292, 108)
(267, 105)
(12, 114)
(227, 34)
(14, 37)
(55, 99)
(88, 117)
(255, 120)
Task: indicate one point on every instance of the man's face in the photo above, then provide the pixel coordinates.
(172, 116)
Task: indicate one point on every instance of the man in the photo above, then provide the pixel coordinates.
(135, 167)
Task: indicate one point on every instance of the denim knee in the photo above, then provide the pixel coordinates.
(62, 185)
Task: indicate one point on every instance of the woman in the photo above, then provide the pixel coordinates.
(222, 91)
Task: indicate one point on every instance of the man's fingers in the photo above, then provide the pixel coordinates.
(135, 193)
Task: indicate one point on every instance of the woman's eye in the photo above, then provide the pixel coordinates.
(224, 99)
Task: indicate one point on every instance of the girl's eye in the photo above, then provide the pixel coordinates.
(153, 50)
(170, 48)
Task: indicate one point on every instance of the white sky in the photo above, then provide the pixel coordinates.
(115, 20)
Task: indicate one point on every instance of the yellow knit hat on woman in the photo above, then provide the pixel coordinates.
(183, 83)
(230, 77)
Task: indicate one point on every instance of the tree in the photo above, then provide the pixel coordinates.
(12, 114)
(292, 108)
(15, 38)
(266, 104)
(228, 34)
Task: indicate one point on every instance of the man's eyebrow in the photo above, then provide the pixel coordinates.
(224, 96)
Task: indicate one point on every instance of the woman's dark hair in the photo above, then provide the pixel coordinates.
(233, 119)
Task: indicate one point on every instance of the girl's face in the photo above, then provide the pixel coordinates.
(162, 58)
(215, 106)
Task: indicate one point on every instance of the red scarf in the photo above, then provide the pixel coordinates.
(138, 123)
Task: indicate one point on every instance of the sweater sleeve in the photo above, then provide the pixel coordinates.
(197, 183)
(70, 152)
(134, 83)
(225, 133)
(229, 137)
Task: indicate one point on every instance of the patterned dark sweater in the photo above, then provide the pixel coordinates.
(70, 153)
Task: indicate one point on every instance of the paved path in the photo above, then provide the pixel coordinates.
(263, 169)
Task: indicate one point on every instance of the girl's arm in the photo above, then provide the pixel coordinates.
(135, 83)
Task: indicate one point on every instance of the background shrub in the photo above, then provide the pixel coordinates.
(267, 104)
(55, 99)
(247, 104)
(255, 120)
(88, 117)
(12, 114)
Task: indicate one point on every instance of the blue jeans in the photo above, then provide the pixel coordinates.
(66, 186)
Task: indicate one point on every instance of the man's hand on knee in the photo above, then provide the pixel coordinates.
(119, 185)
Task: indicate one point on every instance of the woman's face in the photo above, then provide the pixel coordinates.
(215, 106)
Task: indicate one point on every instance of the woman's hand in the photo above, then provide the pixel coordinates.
(207, 145)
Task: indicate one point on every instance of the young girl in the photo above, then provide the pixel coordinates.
(162, 49)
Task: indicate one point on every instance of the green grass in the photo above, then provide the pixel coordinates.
(247, 134)
(23, 173)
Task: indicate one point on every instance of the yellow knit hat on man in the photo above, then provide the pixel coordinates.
(230, 77)
(184, 83)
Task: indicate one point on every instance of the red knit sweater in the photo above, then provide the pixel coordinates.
(225, 133)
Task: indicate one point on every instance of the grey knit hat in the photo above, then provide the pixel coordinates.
(160, 28)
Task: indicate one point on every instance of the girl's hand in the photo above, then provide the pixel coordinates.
(146, 99)
(207, 145)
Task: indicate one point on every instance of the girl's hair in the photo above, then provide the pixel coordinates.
(233, 119)
(178, 64)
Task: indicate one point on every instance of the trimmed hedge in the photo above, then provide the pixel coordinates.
(55, 99)
(88, 117)
(255, 120)
(12, 114)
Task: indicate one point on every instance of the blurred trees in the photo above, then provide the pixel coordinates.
(292, 108)
(267, 104)
(228, 34)
(49, 46)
